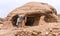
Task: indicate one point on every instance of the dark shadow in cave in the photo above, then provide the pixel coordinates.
(32, 20)
(14, 20)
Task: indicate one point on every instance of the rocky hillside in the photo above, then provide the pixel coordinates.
(2, 20)
(59, 17)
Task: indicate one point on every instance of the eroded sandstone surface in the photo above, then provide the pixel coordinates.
(35, 19)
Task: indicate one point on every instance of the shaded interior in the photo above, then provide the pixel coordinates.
(14, 20)
(32, 20)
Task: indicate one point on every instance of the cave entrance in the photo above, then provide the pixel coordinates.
(32, 20)
(14, 20)
(29, 21)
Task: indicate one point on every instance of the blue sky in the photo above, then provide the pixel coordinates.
(6, 6)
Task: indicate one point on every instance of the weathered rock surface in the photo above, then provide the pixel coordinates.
(39, 19)
(1, 22)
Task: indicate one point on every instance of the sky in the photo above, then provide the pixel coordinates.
(6, 6)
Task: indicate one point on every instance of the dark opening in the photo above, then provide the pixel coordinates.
(32, 20)
(14, 20)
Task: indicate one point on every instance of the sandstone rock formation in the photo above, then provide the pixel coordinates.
(33, 10)
(36, 19)
(58, 17)
(1, 22)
